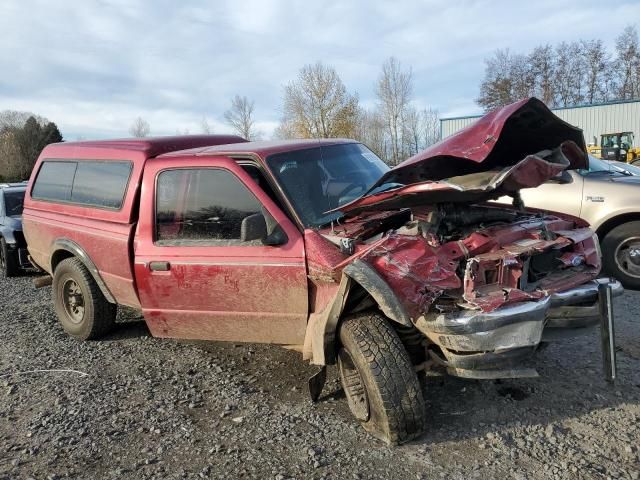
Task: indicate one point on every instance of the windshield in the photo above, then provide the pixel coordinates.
(602, 167)
(323, 178)
(13, 202)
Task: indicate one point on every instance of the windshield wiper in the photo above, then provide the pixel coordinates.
(382, 188)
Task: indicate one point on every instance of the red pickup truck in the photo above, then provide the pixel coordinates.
(317, 245)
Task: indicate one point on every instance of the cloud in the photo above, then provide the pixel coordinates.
(93, 66)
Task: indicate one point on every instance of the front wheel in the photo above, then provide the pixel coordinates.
(382, 388)
(82, 309)
(621, 254)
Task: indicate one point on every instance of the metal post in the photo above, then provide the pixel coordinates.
(607, 332)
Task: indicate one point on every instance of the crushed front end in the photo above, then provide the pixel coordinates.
(484, 284)
(479, 286)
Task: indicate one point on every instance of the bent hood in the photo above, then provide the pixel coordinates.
(518, 146)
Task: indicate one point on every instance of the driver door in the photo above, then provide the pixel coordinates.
(196, 277)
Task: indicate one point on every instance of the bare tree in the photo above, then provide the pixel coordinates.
(596, 64)
(543, 65)
(627, 63)
(17, 119)
(394, 90)
(569, 75)
(240, 117)
(139, 128)
(371, 130)
(412, 130)
(205, 127)
(421, 129)
(317, 105)
(507, 78)
(431, 125)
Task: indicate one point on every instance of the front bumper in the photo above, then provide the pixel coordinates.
(497, 344)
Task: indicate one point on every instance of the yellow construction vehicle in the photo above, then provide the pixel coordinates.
(615, 146)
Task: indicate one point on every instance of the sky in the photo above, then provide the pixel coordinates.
(93, 66)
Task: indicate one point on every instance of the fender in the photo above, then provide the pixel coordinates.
(369, 279)
(321, 329)
(64, 244)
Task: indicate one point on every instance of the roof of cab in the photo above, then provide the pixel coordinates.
(149, 147)
(262, 148)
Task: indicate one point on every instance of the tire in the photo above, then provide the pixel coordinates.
(621, 254)
(81, 307)
(382, 388)
(8, 261)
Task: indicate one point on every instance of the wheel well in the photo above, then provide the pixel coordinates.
(58, 256)
(614, 222)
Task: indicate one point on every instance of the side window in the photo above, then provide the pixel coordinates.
(54, 181)
(202, 207)
(101, 184)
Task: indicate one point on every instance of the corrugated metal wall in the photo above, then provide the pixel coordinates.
(594, 120)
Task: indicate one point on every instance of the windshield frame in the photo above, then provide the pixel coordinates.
(321, 159)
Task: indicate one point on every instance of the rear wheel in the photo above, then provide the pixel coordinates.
(621, 254)
(381, 386)
(8, 261)
(81, 307)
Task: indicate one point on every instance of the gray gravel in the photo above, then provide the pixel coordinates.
(151, 408)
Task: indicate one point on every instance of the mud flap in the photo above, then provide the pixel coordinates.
(316, 383)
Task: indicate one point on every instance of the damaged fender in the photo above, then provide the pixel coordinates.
(321, 330)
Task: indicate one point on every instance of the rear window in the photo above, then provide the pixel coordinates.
(91, 183)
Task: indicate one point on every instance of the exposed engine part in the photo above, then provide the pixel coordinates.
(454, 215)
(452, 222)
(347, 246)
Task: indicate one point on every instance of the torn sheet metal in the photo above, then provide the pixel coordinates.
(528, 172)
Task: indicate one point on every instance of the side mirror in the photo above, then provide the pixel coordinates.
(253, 227)
(276, 237)
(261, 226)
(562, 178)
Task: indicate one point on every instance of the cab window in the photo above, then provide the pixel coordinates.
(202, 207)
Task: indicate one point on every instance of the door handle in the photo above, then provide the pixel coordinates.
(159, 266)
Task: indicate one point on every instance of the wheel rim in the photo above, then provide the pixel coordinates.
(73, 300)
(2, 260)
(627, 257)
(354, 386)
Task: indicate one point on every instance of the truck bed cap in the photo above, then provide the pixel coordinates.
(150, 147)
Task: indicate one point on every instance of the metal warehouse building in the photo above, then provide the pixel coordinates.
(594, 120)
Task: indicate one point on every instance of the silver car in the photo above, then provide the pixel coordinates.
(608, 197)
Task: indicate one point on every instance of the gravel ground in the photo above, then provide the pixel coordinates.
(141, 407)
